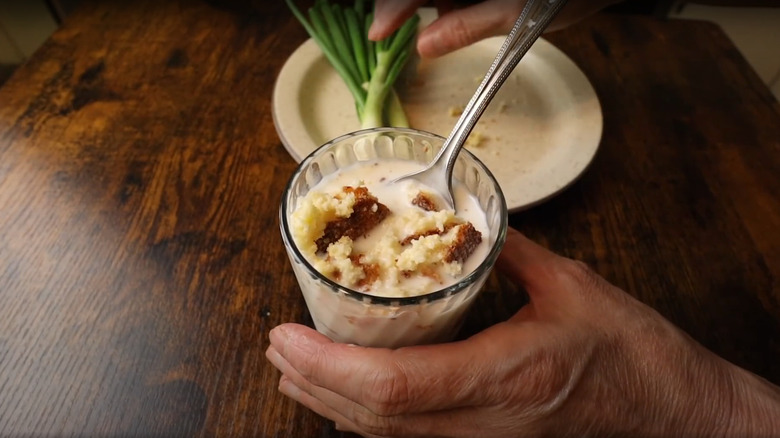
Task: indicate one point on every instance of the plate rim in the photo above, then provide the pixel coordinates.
(308, 53)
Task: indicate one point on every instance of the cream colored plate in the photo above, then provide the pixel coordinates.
(537, 136)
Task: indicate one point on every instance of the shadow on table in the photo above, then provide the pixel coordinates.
(6, 70)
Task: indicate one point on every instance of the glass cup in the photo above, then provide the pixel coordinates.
(349, 316)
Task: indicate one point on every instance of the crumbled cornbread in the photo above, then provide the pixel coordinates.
(414, 243)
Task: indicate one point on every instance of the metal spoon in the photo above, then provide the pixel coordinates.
(534, 18)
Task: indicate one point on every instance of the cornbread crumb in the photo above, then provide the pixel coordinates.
(339, 263)
(424, 201)
(475, 139)
(408, 239)
(422, 244)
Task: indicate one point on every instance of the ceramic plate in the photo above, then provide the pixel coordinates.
(537, 136)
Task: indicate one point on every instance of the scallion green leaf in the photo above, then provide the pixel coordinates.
(369, 69)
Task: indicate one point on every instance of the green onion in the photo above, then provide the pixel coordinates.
(369, 69)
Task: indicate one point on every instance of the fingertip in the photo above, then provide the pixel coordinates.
(514, 239)
(525, 261)
(434, 40)
(273, 356)
(463, 27)
(427, 48)
(431, 45)
(271, 351)
(377, 31)
(289, 388)
(290, 332)
(296, 342)
(296, 332)
(278, 336)
(389, 15)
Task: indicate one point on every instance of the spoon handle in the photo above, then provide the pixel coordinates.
(534, 18)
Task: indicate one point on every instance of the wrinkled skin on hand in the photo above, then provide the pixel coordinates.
(582, 358)
(457, 28)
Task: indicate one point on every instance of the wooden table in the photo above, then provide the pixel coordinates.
(141, 265)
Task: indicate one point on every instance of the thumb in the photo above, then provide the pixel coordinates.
(558, 287)
(532, 266)
(462, 27)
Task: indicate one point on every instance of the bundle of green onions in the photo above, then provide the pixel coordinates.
(368, 68)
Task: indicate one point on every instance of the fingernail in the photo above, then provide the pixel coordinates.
(302, 342)
(288, 388)
(276, 359)
(289, 340)
(373, 32)
(278, 335)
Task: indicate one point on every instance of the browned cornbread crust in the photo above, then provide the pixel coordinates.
(367, 212)
(424, 201)
(465, 243)
(408, 239)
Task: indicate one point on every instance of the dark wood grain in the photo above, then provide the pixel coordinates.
(141, 266)
(681, 206)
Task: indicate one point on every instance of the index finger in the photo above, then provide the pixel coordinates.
(527, 262)
(389, 15)
(387, 382)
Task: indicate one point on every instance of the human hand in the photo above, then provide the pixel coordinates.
(582, 358)
(456, 28)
